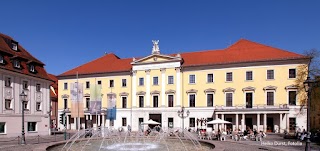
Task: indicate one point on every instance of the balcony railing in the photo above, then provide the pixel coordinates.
(257, 106)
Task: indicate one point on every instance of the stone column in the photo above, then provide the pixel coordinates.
(163, 87)
(258, 122)
(148, 88)
(134, 88)
(98, 120)
(280, 124)
(287, 122)
(237, 121)
(265, 122)
(75, 121)
(222, 125)
(243, 120)
(178, 86)
(68, 125)
(103, 120)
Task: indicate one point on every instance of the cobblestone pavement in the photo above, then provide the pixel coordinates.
(279, 144)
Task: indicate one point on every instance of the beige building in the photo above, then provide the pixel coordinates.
(248, 84)
(21, 72)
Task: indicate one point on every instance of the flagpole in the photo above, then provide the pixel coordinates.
(78, 122)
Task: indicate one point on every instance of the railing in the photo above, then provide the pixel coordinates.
(257, 106)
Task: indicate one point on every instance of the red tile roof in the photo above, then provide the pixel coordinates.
(54, 84)
(24, 56)
(241, 51)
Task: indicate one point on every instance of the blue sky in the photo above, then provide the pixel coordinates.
(66, 34)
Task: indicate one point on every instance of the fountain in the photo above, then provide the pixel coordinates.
(115, 140)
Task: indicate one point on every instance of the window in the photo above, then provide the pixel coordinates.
(88, 103)
(99, 82)
(31, 68)
(229, 76)
(124, 82)
(65, 103)
(111, 84)
(270, 98)
(124, 102)
(65, 86)
(141, 101)
(38, 87)
(170, 100)
(249, 75)
(229, 98)
(32, 126)
(38, 106)
(155, 80)
(155, 101)
(1, 59)
(7, 104)
(192, 100)
(141, 82)
(25, 105)
(2, 127)
(192, 122)
(87, 85)
(25, 85)
(124, 121)
(210, 78)
(292, 124)
(170, 122)
(14, 46)
(209, 100)
(292, 97)
(192, 79)
(270, 74)
(170, 80)
(8, 82)
(16, 63)
(292, 73)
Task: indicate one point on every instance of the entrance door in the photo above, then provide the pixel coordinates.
(269, 124)
(249, 123)
(249, 100)
(155, 117)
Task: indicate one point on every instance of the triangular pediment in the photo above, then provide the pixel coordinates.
(156, 58)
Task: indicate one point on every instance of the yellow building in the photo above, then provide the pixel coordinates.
(248, 84)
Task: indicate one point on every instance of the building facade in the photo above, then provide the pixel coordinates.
(249, 84)
(54, 102)
(21, 72)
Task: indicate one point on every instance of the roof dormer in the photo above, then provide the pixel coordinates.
(16, 63)
(14, 45)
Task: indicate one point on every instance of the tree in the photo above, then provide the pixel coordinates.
(312, 69)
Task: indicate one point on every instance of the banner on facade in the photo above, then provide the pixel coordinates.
(95, 99)
(76, 96)
(111, 107)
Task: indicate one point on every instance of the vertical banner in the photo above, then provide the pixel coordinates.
(76, 95)
(95, 99)
(112, 110)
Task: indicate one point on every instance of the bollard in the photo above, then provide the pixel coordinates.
(69, 135)
(38, 139)
(18, 139)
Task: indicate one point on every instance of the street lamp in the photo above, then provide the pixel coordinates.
(181, 114)
(23, 98)
(308, 85)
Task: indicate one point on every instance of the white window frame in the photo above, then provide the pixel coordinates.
(111, 85)
(65, 86)
(158, 100)
(212, 99)
(194, 78)
(122, 83)
(5, 128)
(139, 101)
(14, 46)
(122, 102)
(10, 105)
(289, 73)
(6, 79)
(168, 99)
(26, 105)
(23, 85)
(16, 63)
(154, 81)
(36, 127)
(288, 97)
(38, 87)
(172, 79)
(225, 99)
(87, 84)
(195, 99)
(251, 75)
(212, 78)
(274, 97)
(142, 81)
(244, 97)
(32, 68)
(1, 59)
(40, 106)
(227, 76)
(274, 73)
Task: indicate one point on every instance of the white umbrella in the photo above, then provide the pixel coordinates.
(218, 121)
(152, 122)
